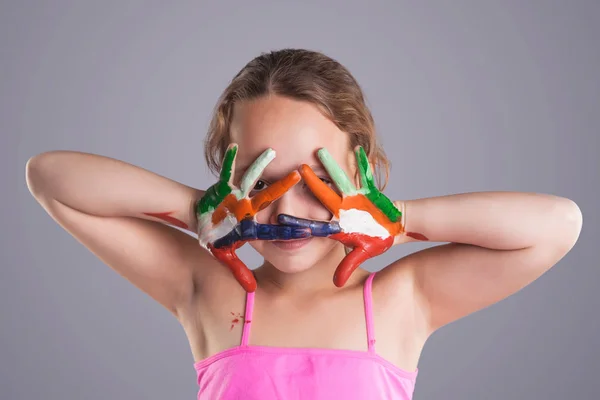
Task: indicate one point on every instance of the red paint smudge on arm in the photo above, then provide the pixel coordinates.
(165, 216)
(416, 235)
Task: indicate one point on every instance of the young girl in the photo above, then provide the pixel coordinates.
(309, 323)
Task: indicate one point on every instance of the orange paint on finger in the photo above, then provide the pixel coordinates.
(330, 199)
(230, 204)
(274, 191)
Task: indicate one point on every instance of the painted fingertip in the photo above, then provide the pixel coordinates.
(286, 219)
(294, 177)
(304, 169)
(302, 233)
(323, 154)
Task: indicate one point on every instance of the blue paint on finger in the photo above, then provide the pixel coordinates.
(317, 228)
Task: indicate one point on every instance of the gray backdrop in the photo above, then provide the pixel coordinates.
(468, 96)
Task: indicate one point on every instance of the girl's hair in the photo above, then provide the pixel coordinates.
(306, 76)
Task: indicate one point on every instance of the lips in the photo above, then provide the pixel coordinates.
(289, 245)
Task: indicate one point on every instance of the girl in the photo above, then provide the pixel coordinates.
(286, 331)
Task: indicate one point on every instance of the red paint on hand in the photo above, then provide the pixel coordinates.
(240, 271)
(364, 247)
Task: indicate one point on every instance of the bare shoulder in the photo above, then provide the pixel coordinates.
(217, 295)
(395, 295)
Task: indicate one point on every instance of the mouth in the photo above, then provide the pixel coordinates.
(290, 245)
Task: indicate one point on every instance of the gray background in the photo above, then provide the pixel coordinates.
(467, 95)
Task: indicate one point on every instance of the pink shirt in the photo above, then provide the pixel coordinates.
(269, 373)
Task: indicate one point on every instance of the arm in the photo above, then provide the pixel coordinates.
(122, 213)
(500, 243)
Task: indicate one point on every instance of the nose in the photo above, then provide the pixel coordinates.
(289, 203)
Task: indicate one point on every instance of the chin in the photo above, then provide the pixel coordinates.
(297, 255)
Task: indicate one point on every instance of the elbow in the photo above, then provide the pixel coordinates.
(33, 174)
(570, 219)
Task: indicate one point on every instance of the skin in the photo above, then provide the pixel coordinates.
(296, 304)
(379, 221)
(226, 213)
(498, 243)
(296, 131)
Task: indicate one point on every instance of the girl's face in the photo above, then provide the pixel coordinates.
(295, 130)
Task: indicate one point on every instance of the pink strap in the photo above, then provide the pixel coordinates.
(369, 312)
(248, 318)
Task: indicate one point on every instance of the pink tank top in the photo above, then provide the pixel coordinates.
(269, 373)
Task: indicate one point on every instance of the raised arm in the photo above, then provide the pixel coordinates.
(500, 243)
(125, 215)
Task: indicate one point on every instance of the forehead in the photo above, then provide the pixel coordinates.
(294, 129)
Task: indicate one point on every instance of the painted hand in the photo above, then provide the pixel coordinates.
(226, 214)
(363, 219)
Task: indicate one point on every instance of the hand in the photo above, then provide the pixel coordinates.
(226, 214)
(363, 219)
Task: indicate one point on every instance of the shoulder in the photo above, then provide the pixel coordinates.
(396, 295)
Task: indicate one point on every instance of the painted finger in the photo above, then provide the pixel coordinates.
(338, 175)
(369, 189)
(255, 171)
(240, 271)
(228, 240)
(330, 199)
(215, 194)
(364, 168)
(364, 247)
(317, 228)
(280, 232)
(348, 265)
(275, 191)
(228, 163)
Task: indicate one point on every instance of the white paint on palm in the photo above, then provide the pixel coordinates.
(359, 221)
(209, 233)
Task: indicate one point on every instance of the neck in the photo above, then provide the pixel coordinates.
(316, 280)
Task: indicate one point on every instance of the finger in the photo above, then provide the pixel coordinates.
(274, 191)
(230, 239)
(228, 163)
(364, 247)
(255, 171)
(317, 228)
(240, 271)
(348, 265)
(281, 232)
(366, 174)
(330, 199)
(213, 196)
(338, 175)
(372, 193)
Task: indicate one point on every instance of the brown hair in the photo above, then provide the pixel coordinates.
(302, 75)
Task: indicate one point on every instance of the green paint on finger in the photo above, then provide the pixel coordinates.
(370, 189)
(215, 194)
(338, 175)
